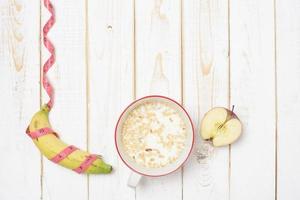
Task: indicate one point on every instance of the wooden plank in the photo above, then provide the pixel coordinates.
(20, 168)
(111, 62)
(68, 116)
(253, 94)
(206, 84)
(288, 84)
(158, 71)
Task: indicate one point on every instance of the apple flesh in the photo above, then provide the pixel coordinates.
(221, 125)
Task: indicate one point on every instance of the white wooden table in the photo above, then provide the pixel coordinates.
(203, 53)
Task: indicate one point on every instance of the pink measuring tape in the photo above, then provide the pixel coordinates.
(85, 164)
(48, 44)
(64, 153)
(40, 132)
(49, 90)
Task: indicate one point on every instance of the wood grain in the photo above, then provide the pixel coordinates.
(288, 85)
(111, 63)
(68, 116)
(19, 77)
(253, 94)
(206, 84)
(158, 71)
(16, 39)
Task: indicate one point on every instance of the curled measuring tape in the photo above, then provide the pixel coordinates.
(50, 61)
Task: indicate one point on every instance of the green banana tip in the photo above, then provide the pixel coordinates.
(109, 168)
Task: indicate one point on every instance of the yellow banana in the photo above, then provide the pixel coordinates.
(51, 146)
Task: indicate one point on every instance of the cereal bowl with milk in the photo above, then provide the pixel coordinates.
(154, 136)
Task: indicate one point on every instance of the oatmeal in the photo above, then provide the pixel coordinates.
(154, 135)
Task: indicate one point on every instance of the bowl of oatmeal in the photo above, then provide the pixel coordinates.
(154, 136)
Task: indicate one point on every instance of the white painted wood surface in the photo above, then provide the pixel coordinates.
(110, 53)
(252, 83)
(202, 53)
(288, 95)
(206, 84)
(20, 170)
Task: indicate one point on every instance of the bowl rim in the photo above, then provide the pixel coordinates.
(169, 99)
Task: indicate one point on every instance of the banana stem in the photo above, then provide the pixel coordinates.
(45, 108)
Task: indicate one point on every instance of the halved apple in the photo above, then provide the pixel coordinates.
(221, 125)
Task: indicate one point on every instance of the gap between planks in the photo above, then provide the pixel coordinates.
(229, 92)
(134, 50)
(181, 77)
(87, 88)
(276, 97)
(40, 95)
(134, 61)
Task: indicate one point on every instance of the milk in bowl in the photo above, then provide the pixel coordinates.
(154, 134)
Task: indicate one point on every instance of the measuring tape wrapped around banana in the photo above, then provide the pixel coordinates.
(59, 152)
(45, 138)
